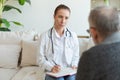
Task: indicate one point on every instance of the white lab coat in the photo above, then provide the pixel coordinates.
(71, 50)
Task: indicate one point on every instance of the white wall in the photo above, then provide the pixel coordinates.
(39, 15)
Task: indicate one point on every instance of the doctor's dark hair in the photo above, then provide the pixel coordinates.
(105, 20)
(61, 6)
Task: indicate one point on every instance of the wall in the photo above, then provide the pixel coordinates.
(39, 15)
(113, 3)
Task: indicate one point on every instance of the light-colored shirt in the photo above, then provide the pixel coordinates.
(58, 45)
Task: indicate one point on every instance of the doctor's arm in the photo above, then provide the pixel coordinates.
(76, 56)
(42, 58)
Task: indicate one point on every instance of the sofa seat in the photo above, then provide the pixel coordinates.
(7, 74)
(25, 73)
(30, 73)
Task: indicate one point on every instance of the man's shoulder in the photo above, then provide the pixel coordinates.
(104, 46)
(101, 48)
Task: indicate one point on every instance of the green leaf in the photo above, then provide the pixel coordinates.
(7, 23)
(21, 2)
(107, 2)
(4, 29)
(9, 7)
(0, 22)
(28, 1)
(17, 23)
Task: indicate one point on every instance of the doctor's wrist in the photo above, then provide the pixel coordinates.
(74, 67)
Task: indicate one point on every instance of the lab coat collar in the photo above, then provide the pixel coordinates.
(56, 34)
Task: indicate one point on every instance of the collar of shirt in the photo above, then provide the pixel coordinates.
(56, 34)
(112, 38)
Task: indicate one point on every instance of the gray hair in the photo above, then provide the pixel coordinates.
(105, 19)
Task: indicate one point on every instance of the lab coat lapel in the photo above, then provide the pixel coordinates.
(68, 55)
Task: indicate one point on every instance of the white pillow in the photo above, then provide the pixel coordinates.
(28, 35)
(30, 52)
(9, 55)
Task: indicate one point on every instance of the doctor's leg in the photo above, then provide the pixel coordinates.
(53, 78)
(71, 77)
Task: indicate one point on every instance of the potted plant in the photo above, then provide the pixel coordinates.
(107, 2)
(6, 7)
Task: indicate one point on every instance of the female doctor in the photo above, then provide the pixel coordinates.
(59, 46)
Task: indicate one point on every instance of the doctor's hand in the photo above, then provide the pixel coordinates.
(56, 69)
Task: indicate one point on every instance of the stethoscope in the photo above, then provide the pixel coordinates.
(51, 38)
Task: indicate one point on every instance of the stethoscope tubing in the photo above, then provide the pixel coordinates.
(51, 38)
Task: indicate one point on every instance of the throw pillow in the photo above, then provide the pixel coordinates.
(9, 55)
(30, 52)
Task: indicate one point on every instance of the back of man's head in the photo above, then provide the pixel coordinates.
(105, 20)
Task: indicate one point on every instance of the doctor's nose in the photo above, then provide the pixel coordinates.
(63, 20)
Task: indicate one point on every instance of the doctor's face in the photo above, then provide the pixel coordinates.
(61, 18)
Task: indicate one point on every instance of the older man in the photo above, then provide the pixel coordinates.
(102, 62)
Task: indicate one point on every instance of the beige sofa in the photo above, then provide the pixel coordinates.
(18, 56)
(19, 53)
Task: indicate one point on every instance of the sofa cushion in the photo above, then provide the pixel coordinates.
(30, 52)
(7, 74)
(83, 44)
(28, 35)
(90, 43)
(9, 55)
(30, 73)
(10, 38)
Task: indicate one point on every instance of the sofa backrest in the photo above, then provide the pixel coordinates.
(11, 46)
(85, 43)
